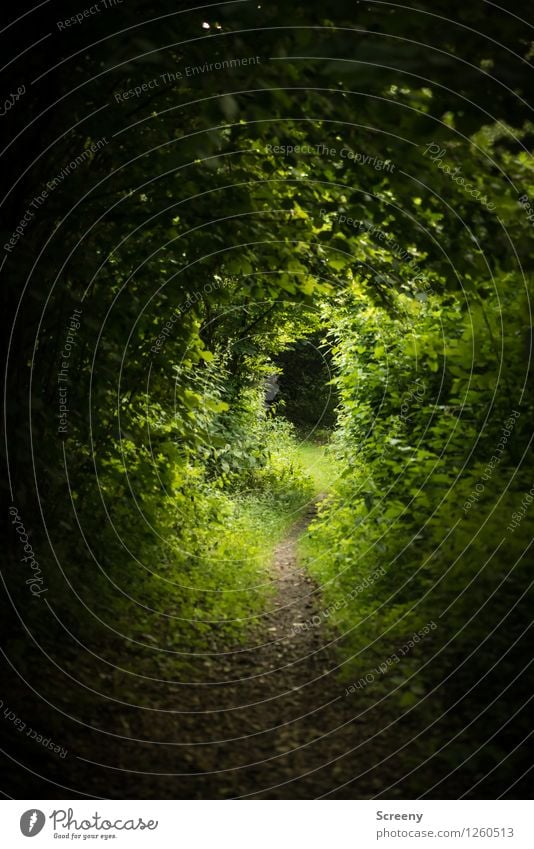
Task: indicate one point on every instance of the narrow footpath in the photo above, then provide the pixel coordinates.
(268, 721)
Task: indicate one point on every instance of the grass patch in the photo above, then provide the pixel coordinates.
(318, 464)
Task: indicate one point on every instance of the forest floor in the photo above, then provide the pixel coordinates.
(267, 718)
(271, 720)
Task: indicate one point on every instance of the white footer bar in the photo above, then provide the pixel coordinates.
(268, 824)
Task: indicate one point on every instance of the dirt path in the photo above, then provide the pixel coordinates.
(268, 721)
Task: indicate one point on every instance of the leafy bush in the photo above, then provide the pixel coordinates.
(431, 437)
